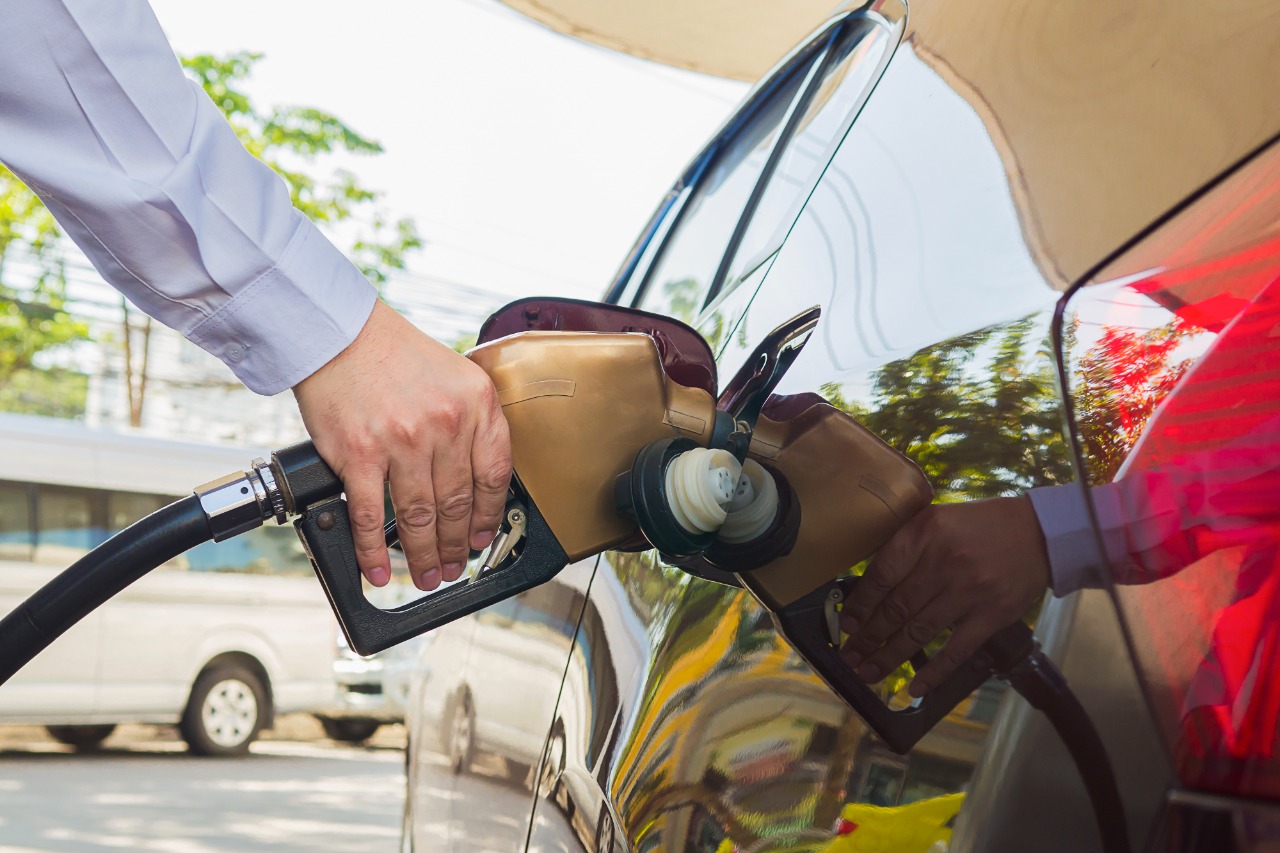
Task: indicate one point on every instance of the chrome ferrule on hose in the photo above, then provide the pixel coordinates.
(242, 501)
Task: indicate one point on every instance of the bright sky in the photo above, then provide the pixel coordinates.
(529, 160)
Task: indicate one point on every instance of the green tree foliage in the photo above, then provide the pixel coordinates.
(33, 282)
(55, 393)
(290, 140)
(978, 413)
(34, 316)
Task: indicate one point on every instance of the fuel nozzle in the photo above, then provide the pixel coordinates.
(715, 506)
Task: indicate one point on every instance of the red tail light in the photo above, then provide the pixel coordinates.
(1176, 379)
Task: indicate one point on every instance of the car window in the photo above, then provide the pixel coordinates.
(681, 278)
(734, 219)
(843, 84)
(903, 243)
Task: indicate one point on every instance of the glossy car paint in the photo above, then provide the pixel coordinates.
(1001, 153)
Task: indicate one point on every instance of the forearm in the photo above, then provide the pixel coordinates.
(143, 172)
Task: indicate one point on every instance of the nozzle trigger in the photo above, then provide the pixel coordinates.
(831, 612)
(326, 534)
(506, 540)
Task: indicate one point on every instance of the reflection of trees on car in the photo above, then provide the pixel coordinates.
(725, 672)
(714, 699)
(1121, 379)
(979, 413)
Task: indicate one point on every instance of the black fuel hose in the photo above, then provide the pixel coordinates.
(96, 577)
(1045, 688)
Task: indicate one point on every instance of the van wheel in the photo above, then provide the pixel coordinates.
(81, 737)
(406, 823)
(227, 709)
(462, 736)
(553, 763)
(349, 730)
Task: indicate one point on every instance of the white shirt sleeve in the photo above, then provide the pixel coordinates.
(1072, 545)
(143, 172)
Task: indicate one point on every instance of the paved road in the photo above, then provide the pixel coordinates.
(149, 795)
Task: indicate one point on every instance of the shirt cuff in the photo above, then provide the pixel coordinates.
(1074, 561)
(293, 319)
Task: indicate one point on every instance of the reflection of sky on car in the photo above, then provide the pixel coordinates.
(898, 297)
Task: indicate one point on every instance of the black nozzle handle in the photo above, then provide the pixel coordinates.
(304, 477)
(804, 625)
(325, 529)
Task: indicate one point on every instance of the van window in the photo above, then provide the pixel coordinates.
(268, 550)
(68, 522)
(124, 508)
(67, 525)
(16, 533)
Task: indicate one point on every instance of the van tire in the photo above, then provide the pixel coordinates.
(349, 729)
(226, 711)
(84, 738)
(462, 736)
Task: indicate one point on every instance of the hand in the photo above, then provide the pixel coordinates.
(398, 406)
(974, 567)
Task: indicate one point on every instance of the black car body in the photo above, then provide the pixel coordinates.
(988, 200)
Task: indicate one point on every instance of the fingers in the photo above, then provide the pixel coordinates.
(398, 406)
(416, 524)
(922, 627)
(963, 643)
(451, 482)
(900, 610)
(893, 564)
(491, 474)
(363, 483)
(976, 566)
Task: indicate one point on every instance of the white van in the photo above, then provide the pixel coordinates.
(217, 641)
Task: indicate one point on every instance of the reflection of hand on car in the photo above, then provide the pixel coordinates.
(974, 567)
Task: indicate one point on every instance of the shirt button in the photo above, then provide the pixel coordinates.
(235, 353)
